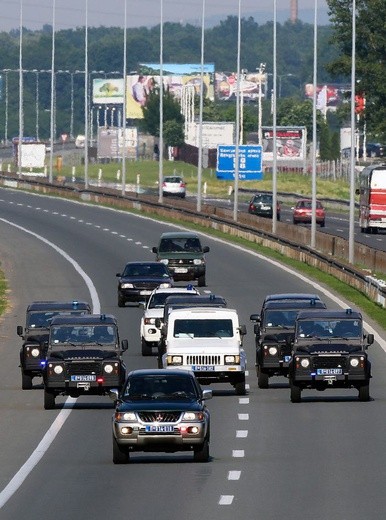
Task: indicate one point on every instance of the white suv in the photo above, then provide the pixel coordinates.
(150, 334)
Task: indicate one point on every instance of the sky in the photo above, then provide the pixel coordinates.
(72, 13)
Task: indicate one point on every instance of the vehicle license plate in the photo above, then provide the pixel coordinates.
(180, 269)
(329, 371)
(145, 293)
(207, 368)
(83, 378)
(161, 429)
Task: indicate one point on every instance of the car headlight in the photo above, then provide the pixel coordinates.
(127, 286)
(35, 352)
(193, 416)
(354, 362)
(305, 362)
(174, 360)
(108, 369)
(125, 416)
(164, 261)
(232, 360)
(58, 369)
(149, 321)
(197, 261)
(272, 351)
(165, 285)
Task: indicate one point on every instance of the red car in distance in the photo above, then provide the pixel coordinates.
(302, 212)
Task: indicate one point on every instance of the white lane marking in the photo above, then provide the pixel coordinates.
(226, 500)
(37, 454)
(122, 236)
(234, 475)
(243, 400)
(54, 429)
(114, 232)
(247, 386)
(246, 373)
(238, 453)
(241, 434)
(106, 229)
(243, 416)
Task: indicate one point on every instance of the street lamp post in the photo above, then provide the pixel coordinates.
(261, 70)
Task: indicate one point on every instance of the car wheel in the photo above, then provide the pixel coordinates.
(121, 300)
(119, 456)
(322, 224)
(49, 399)
(296, 394)
(262, 379)
(201, 453)
(295, 222)
(240, 388)
(26, 381)
(146, 350)
(201, 281)
(364, 393)
(183, 195)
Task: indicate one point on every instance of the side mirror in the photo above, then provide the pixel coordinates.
(205, 249)
(370, 339)
(113, 394)
(243, 330)
(255, 317)
(207, 394)
(118, 274)
(155, 249)
(124, 345)
(19, 330)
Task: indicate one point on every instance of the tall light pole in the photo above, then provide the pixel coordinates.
(237, 165)
(124, 101)
(242, 83)
(86, 97)
(261, 70)
(6, 106)
(274, 118)
(21, 123)
(199, 170)
(161, 110)
(314, 130)
(352, 165)
(52, 114)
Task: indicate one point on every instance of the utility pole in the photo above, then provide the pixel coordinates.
(261, 70)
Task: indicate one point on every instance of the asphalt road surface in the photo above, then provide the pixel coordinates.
(270, 459)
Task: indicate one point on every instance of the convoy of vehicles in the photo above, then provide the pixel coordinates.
(372, 199)
(34, 334)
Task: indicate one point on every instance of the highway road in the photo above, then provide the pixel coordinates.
(270, 459)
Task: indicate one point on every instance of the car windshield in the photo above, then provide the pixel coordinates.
(83, 334)
(265, 199)
(180, 245)
(332, 328)
(280, 319)
(173, 387)
(156, 270)
(173, 180)
(158, 300)
(205, 328)
(43, 319)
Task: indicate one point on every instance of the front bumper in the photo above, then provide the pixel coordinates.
(135, 295)
(186, 273)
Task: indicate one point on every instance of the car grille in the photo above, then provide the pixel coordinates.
(160, 417)
(203, 360)
(146, 285)
(83, 368)
(180, 263)
(329, 362)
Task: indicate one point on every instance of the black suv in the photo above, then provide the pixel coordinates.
(274, 334)
(330, 352)
(184, 255)
(35, 334)
(261, 205)
(84, 357)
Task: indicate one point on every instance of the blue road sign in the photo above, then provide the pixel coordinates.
(250, 162)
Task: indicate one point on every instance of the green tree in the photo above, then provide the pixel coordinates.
(324, 142)
(370, 54)
(171, 111)
(173, 133)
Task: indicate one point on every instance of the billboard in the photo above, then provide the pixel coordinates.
(290, 143)
(212, 134)
(107, 91)
(250, 162)
(328, 97)
(111, 141)
(225, 86)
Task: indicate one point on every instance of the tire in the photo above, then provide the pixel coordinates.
(296, 394)
(119, 456)
(201, 453)
(240, 388)
(26, 381)
(145, 349)
(49, 399)
(295, 222)
(364, 393)
(322, 224)
(262, 379)
(121, 300)
(201, 281)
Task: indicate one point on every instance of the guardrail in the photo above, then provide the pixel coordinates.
(291, 241)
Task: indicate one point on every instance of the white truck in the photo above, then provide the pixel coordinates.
(208, 341)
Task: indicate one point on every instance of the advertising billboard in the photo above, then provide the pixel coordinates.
(107, 91)
(225, 86)
(212, 134)
(328, 97)
(250, 162)
(290, 143)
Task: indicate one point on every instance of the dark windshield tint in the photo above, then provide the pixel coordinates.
(160, 387)
(205, 328)
(143, 270)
